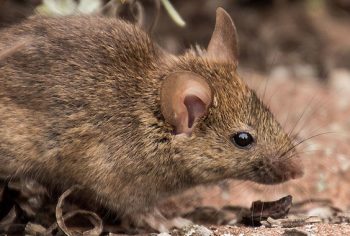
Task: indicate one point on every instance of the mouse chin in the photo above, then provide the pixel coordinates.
(269, 181)
(279, 173)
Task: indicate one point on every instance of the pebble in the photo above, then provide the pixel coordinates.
(196, 230)
(322, 212)
(294, 232)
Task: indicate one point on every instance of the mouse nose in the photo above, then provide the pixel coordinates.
(295, 168)
(297, 173)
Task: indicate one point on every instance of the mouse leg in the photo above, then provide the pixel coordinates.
(157, 221)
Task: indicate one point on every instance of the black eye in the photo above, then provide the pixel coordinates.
(242, 139)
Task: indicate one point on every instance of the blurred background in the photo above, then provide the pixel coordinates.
(308, 37)
(294, 53)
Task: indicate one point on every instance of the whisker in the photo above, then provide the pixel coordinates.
(305, 193)
(284, 155)
(301, 116)
(266, 83)
(320, 104)
(289, 103)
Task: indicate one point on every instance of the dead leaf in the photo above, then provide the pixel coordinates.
(260, 211)
(91, 216)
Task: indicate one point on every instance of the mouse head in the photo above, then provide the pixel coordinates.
(221, 128)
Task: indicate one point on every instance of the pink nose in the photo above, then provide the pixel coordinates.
(290, 169)
(295, 168)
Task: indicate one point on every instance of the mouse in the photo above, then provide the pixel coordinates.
(95, 102)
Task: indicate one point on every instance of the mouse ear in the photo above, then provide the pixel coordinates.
(223, 45)
(185, 97)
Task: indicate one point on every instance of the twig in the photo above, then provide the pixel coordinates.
(60, 218)
(173, 13)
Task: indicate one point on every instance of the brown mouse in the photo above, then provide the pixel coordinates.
(92, 101)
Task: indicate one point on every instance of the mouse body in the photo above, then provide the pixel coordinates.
(94, 102)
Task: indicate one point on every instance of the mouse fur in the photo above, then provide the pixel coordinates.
(80, 105)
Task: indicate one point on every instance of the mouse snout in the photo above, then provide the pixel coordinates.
(297, 173)
(289, 169)
(275, 171)
(292, 172)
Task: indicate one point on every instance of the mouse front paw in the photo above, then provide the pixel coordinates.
(158, 222)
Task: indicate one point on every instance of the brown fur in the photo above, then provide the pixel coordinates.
(80, 105)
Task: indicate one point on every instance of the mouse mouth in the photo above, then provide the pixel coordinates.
(277, 172)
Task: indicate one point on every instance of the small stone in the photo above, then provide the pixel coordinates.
(164, 234)
(313, 220)
(34, 229)
(294, 232)
(196, 230)
(265, 223)
(341, 217)
(233, 222)
(340, 80)
(290, 222)
(321, 212)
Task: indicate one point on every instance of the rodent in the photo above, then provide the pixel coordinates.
(94, 102)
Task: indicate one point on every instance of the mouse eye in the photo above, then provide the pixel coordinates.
(242, 139)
